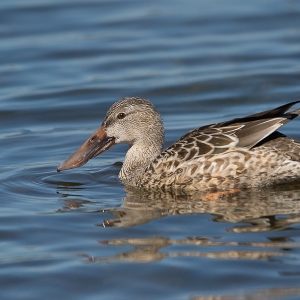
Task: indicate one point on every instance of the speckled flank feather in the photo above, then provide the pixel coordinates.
(241, 153)
(234, 168)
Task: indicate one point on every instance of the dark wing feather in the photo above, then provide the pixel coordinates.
(255, 131)
(258, 126)
(267, 114)
(240, 132)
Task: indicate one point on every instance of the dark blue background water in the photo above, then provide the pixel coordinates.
(79, 234)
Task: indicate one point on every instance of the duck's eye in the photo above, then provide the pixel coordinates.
(121, 116)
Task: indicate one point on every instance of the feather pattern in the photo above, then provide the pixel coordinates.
(243, 152)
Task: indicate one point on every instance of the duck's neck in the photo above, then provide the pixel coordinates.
(137, 158)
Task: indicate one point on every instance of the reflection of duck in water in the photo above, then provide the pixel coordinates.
(272, 209)
(241, 153)
(258, 208)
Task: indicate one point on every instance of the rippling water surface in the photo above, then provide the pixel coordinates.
(79, 234)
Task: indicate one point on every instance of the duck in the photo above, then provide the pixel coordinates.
(246, 152)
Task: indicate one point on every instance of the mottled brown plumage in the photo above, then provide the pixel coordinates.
(241, 153)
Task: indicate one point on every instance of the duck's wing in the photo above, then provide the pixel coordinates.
(267, 114)
(238, 133)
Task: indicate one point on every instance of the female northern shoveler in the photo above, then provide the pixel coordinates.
(241, 153)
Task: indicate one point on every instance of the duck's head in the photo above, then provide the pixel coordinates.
(129, 121)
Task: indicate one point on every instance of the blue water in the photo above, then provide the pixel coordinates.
(79, 234)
